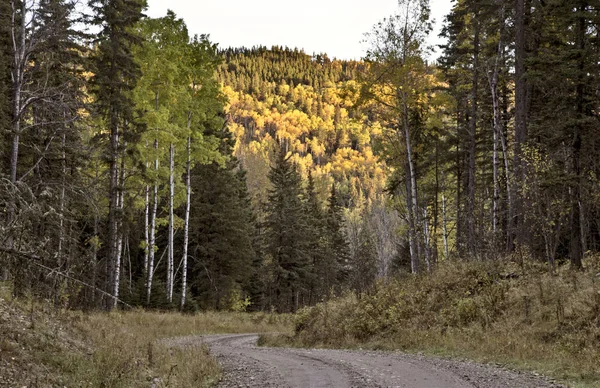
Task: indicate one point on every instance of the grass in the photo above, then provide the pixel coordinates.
(518, 315)
(129, 350)
(44, 346)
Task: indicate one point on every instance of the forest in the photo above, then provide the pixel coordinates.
(142, 166)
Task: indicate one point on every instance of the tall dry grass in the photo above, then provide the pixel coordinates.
(516, 314)
(41, 345)
(128, 348)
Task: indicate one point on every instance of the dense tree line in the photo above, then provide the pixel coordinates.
(121, 184)
(148, 167)
(494, 144)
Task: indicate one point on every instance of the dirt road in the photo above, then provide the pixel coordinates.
(246, 365)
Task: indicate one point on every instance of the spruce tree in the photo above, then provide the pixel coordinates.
(287, 234)
(317, 243)
(221, 231)
(337, 246)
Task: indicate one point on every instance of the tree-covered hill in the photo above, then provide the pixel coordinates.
(308, 104)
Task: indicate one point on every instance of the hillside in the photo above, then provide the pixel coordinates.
(308, 104)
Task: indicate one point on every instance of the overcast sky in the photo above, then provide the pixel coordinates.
(335, 27)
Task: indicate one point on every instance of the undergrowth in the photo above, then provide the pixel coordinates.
(44, 346)
(131, 350)
(498, 311)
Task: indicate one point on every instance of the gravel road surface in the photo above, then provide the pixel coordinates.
(246, 365)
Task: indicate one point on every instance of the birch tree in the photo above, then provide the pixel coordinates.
(181, 99)
(398, 82)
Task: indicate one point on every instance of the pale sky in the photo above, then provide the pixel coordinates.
(335, 27)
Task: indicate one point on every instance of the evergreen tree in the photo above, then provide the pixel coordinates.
(287, 243)
(337, 246)
(221, 231)
(317, 244)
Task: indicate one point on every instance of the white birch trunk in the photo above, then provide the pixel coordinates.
(171, 223)
(188, 188)
(414, 208)
(444, 218)
(152, 237)
(426, 239)
(146, 226)
(119, 231)
(146, 231)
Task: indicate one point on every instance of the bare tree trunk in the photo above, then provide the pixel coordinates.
(18, 38)
(414, 207)
(152, 238)
(516, 218)
(146, 227)
(471, 230)
(170, 266)
(427, 240)
(577, 238)
(20, 59)
(412, 238)
(497, 128)
(460, 233)
(95, 260)
(119, 246)
(61, 206)
(509, 196)
(186, 226)
(444, 217)
(146, 230)
(113, 214)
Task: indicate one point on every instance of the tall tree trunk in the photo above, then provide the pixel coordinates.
(18, 37)
(427, 240)
(152, 237)
(470, 216)
(146, 232)
(61, 204)
(20, 58)
(509, 195)
(186, 226)
(460, 223)
(497, 127)
(119, 247)
(113, 213)
(146, 227)
(444, 217)
(516, 220)
(414, 207)
(577, 248)
(170, 269)
(95, 260)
